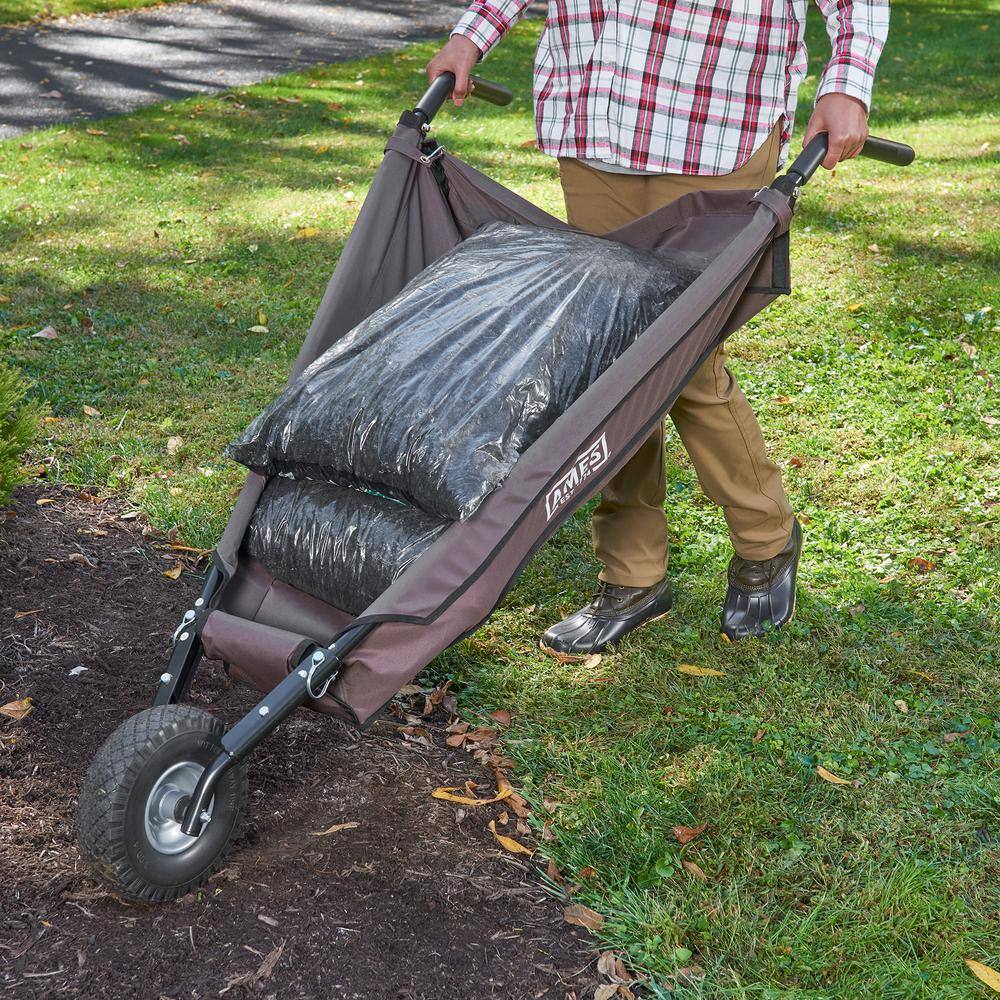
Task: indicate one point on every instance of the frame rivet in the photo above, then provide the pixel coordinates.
(166, 678)
(263, 710)
(199, 602)
(185, 636)
(302, 673)
(317, 657)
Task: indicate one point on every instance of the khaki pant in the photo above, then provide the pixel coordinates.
(712, 416)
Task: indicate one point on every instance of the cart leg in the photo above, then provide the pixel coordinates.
(309, 679)
(175, 681)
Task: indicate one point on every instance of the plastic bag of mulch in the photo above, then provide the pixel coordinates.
(432, 398)
(338, 544)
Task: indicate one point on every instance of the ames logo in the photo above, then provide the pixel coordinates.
(587, 462)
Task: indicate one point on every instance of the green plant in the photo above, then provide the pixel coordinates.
(18, 428)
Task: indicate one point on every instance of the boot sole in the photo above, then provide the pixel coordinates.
(581, 657)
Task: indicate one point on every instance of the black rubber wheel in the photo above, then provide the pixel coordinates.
(134, 793)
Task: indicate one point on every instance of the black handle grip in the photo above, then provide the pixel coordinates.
(812, 156)
(896, 153)
(440, 90)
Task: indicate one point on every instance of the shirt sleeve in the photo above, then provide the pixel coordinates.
(486, 23)
(857, 30)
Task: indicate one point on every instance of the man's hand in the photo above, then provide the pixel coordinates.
(458, 56)
(845, 119)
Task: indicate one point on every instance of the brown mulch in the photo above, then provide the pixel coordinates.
(415, 902)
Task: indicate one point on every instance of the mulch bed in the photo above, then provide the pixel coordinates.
(415, 902)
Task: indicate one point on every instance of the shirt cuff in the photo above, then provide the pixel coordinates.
(848, 76)
(483, 25)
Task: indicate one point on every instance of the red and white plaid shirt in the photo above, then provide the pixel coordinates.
(679, 86)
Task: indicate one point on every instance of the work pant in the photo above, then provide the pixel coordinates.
(712, 416)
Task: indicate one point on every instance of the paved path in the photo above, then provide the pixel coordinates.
(107, 64)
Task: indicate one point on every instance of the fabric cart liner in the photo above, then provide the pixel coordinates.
(422, 202)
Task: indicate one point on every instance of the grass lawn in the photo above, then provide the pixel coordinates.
(18, 11)
(180, 252)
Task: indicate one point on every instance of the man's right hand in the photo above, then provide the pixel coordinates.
(458, 56)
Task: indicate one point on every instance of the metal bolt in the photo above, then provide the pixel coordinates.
(185, 636)
(318, 657)
(205, 816)
(199, 602)
(303, 673)
(263, 710)
(166, 678)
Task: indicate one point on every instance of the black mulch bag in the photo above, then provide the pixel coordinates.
(434, 396)
(338, 544)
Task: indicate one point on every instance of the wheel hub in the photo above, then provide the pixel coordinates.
(165, 807)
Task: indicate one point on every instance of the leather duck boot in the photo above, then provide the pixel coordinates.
(761, 593)
(613, 612)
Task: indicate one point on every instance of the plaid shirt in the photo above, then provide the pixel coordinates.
(679, 86)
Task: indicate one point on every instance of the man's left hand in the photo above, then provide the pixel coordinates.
(845, 119)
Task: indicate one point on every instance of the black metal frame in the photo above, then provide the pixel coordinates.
(319, 667)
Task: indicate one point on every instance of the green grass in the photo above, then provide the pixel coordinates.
(18, 11)
(154, 257)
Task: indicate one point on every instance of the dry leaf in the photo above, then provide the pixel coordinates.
(553, 871)
(25, 614)
(583, 916)
(182, 139)
(901, 705)
(606, 992)
(447, 795)
(501, 716)
(685, 834)
(586, 873)
(44, 502)
(96, 131)
(174, 444)
(91, 411)
(784, 400)
(257, 329)
(983, 972)
(306, 233)
(174, 572)
(592, 661)
(855, 306)
(17, 709)
(829, 776)
(508, 843)
(690, 668)
(336, 828)
(695, 870)
(455, 740)
(48, 333)
(529, 144)
(920, 564)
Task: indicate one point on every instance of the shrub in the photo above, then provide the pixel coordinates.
(18, 427)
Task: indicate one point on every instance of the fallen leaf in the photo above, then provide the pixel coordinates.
(829, 776)
(920, 564)
(950, 737)
(306, 233)
(174, 572)
(583, 916)
(455, 740)
(695, 870)
(182, 139)
(53, 95)
(685, 834)
(17, 709)
(91, 411)
(529, 144)
(258, 329)
(592, 661)
(586, 873)
(174, 444)
(81, 560)
(690, 668)
(901, 705)
(552, 871)
(784, 400)
(48, 333)
(4, 299)
(855, 307)
(447, 795)
(336, 828)
(606, 992)
(501, 716)
(44, 502)
(758, 736)
(970, 349)
(508, 843)
(95, 131)
(983, 972)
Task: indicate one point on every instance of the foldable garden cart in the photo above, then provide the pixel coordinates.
(164, 796)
